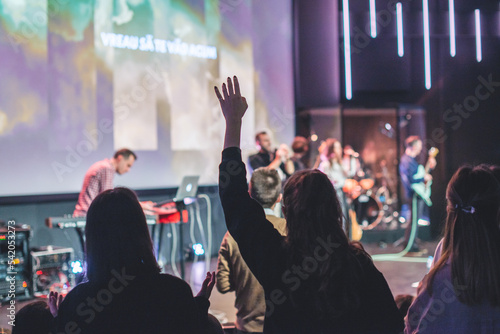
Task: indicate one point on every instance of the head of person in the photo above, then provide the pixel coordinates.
(413, 145)
(333, 149)
(312, 210)
(265, 186)
(263, 142)
(33, 318)
(300, 145)
(117, 236)
(472, 235)
(124, 159)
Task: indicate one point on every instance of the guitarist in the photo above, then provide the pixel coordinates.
(408, 167)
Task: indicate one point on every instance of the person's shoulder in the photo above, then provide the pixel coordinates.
(170, 280)
(278, 223)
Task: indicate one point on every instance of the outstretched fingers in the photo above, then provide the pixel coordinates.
(230, 86)
(236, 86)
(217, 93)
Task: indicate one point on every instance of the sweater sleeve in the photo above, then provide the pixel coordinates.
(259, 243)
(224, 267)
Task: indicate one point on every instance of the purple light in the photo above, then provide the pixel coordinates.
(373, 19)
(427, 45)
(451, 11)
(347, 50)
(399, 19)
(479, 53)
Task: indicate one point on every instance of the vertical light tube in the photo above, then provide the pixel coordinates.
(427, 45)
(373, 19)
(479, 52)
(451, 13)
(347, 50)
(399, 19)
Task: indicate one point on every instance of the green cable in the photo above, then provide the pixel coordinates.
(398, 256)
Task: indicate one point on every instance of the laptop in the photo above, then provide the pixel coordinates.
(187, 189)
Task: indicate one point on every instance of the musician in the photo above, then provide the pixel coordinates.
(408, 167)
(278, 159)
(300, 148)
(99, 177)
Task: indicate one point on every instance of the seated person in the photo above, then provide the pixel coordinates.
(461, 293)
(314, 280)
(233, 273)
(125, 292)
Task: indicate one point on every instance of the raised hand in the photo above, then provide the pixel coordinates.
(232, 103)
(55, 299)
(233, 107)
(207, 286)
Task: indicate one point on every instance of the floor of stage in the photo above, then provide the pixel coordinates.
(402, 274)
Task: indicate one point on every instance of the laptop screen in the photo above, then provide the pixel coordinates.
(188, 188)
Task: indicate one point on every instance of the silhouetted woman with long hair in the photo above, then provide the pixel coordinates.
(314, 280)
(125, 292)
(461, 293)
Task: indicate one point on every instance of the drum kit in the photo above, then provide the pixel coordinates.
(369, 204)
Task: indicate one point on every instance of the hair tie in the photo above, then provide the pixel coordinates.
(467, 209)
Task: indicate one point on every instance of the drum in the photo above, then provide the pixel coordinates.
(366, 184)
(368, 211)
(349, 185)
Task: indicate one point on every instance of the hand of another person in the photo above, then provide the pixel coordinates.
(55, 299)
(233, 105)
(207, 286)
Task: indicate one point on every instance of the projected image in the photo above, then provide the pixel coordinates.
(82, 79)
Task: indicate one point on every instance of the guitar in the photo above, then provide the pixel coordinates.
(423, 189)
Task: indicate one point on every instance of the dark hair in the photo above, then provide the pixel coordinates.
(330, 150)
(411, 141)
(257, 136)
(265, 186)
(126, 153)
(472, 236)
(33, 318)
(313, 214)
(300, 144)
(117, 236)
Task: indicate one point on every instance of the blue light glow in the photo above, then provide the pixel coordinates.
(198, 249)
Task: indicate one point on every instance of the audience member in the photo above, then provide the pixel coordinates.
(34, 318)
(300, 148)
(125, 292)
(233, 273)
(461, 293)
(314, 280)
